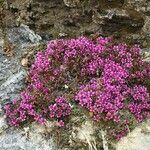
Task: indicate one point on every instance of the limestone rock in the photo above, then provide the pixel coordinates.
(31, 139)
(84, 134)
(3, 124)
(146, 54)
(138, 139)
(71, 3)
(146, 27)
(12, 74)
(23, 36)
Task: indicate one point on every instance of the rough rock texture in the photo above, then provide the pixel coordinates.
(126, 20)
(85, 135)
(12, 79)
(3, 124)
(138, 139)
(29, 138)
(12, 73)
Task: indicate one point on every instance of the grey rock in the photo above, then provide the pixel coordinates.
(146, 54)
(12, 74)
(22, 36)
(3, 124)
(138, 139)
(116, 19)
(18, 140)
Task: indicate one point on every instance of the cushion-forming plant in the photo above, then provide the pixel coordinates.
(109, 80)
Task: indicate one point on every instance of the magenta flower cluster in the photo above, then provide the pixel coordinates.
(59, 110)
(105, 78)
(27, 108)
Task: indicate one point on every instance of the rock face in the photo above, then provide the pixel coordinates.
(138, 139)
(12, 77)
(124, 19)
(127, 20)
(84, 134)
(12, 74)
(31, 138)
(3, 124)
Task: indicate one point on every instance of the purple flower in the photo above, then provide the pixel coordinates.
(102, 77)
